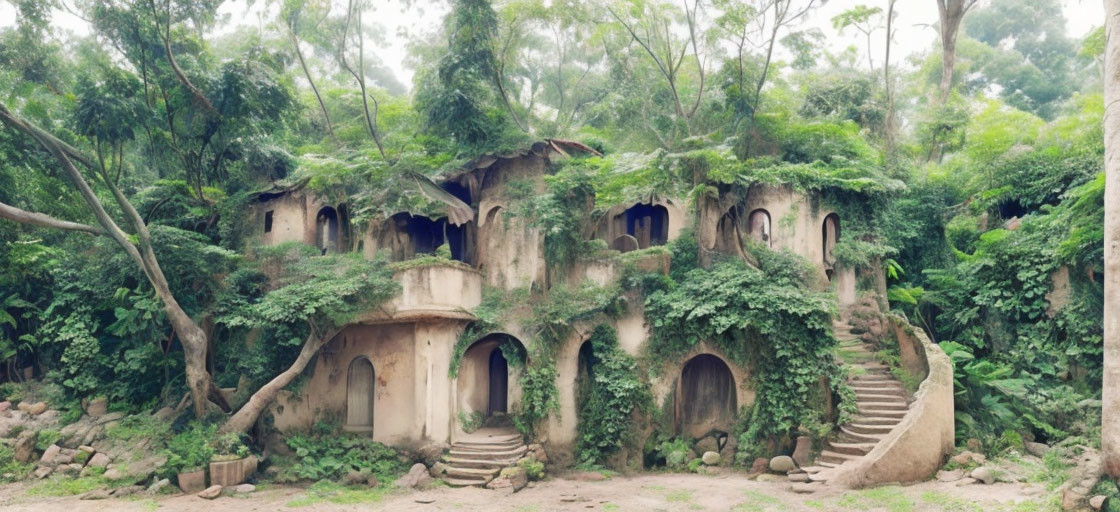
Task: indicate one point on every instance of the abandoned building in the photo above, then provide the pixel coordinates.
(390, 374)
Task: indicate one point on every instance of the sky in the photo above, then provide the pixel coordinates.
(915, 22)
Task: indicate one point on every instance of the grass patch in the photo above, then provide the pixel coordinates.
(58, 485)
(948, 503)
(890, 498)
(330, 492)
(1053, 471)
(759, 502)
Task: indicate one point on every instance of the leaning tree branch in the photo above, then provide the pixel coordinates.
(45, 221)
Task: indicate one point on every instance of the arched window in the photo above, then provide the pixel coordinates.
(326, 232)
(707, 396)
(830, 234)
(359, 396)
(648, 224)
(758, 226)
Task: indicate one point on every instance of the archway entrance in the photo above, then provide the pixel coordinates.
(489, 375)
(359, 396)
(707, 397)
(830, 234)
(326, 233)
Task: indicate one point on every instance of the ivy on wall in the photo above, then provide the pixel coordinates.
(614, 391)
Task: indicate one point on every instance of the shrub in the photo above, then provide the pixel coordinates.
(471, 422)
(324, 454)
(190, 449)
(533, 468)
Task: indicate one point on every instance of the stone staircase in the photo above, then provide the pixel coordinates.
(881, 400)
(478, 457)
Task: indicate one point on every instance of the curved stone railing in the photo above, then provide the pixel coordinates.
(917, 447)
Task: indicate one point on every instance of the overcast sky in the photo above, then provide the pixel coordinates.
(915, 21)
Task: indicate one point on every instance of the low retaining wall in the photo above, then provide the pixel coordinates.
(917, 447)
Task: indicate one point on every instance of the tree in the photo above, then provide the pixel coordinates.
(191, 335)
(864, 19)
(950, 12)
(292, 14)
(1110, 416)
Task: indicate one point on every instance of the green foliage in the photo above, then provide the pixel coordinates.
(538, 397)
(45, 438)
(471, 422)
(533, 468)
(10, 468)
(607, 402)
(562, 214)
(190, 449)
(324, 454)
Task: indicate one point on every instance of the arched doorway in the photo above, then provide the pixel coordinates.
(489, 373)
(758, 227)
(359, 396)
(499, 383)
(830, 234)
(707, 397)
(647, 223)
(326, 230)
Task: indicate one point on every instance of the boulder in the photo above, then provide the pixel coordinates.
(352, 478)
(707, 444)
(517, 477)
(950, 476)
(99, 494)
(5, 406)
(1036, 449)
(35, 409)
(710, 458)
(210, 492)
(1097, 502)
(799, 477)
(49, 455)
(499, 483)
(782, 464)
(438, 470)
(97, 407)
(984, 474)
(767, 477)
(24, 446)
(416, 477)
(99, 460)
(115, 474)
(760, 464)
(158, 486)
(43, 471)
(804, 488)
(966, 457)
(70, 469)
(803, 451)
(431, 453)
(244, 488)
(127, 491)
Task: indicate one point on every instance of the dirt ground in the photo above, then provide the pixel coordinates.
(644, 493)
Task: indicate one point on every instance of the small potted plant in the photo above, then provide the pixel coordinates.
(188, 453)
(232, 463)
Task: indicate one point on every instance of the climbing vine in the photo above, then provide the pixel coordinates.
(613, 392)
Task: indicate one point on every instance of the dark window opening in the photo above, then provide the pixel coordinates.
(427, 235)
(499, 382)
(268, 222)
(327, 230)
(830, 234)
(708, 398)
(648, 224)
(458, 191)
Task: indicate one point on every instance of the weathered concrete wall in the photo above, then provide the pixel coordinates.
(1060, 291)
(291, 221)
(918, 446)
(510, 253)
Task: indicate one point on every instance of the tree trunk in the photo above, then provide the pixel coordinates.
(310, 80)
(245, 417)
(1110, 415)
(950, 12)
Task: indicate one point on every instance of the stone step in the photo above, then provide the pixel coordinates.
(885, 386)
(821, 477)
(880, 395)
(898, 405)
(837, 458)
(464, 482)
(864, 436)
(875, 420)
(875, 377)
(491, 455)
(812, 469)
(886, 415)
(851, 448)
(828, 465)
(483, 473)
(461, 462)
(869, 428)
(486, 447)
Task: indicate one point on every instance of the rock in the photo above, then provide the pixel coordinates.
(782, 464)
(760, 464)
(70, 469)
(965, 481)
(803, 451)
(353, 478)
(372, 481)
(710, 458)
(99, 494)
(517, 476)
(416, 477)
(159, 486)
(983, 474)
(438, 470)
(974, 444)
(244, 488)
(707, 444)
(499, 483)
(210, 492)
(164, 414)
(99, 460)
(1097, 502)
(24, 447)
(768, 477)
(950, 476)
(431, 453)
(1071, 499)
(49, 455)
(424, 501)
(115, 474)
(35, 409)
(799, 477)
(966, 457)
(1036, 449)
(5, 405)
(97, 407)
(43, 471)
(802, 488)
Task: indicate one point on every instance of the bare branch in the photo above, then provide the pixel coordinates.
(45, 221)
